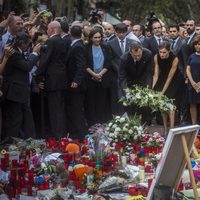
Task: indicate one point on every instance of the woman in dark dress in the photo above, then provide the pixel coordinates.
(165, 78)
(98, 65)
(193, 74)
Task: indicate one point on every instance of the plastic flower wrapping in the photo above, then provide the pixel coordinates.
(146, 97)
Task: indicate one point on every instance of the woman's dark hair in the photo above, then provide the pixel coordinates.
(93, 32)
(196, 40)
(164, 45)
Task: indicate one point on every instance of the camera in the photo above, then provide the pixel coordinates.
(94, 16)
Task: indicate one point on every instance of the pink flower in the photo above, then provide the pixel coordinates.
(156, 134)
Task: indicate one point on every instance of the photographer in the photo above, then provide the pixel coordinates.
(16, 89)
(96, 17)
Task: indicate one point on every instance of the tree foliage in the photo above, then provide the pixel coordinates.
(169, 11)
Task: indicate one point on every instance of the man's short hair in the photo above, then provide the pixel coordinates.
(121, 28)
(175, 26)
(76, 31)
(135, 45)
(64, 26)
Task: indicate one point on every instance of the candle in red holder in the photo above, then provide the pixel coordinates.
(52, 143)
(149, 182)
(10, 191)
(3, 164)
(63, 143)
(14, 164)
(13, 174)
(77, 184)
(30, 177)
(26, 165)
(46, 185)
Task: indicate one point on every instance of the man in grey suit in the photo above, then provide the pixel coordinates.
(117, 47)
(176, 41)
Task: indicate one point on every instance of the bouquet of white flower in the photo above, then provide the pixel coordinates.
(146, 97)
(123, 130)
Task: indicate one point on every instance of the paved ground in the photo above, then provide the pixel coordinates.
(155, 128)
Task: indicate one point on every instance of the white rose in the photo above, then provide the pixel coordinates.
(122, 119)
(125, 129)
(110, 124)
(135, 137)
(117, 117)
(111, 134)
(118, 129)
(130, 131)
(114, 126)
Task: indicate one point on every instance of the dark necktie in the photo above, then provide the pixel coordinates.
(173, 45)
(122, 45)
(159, 40)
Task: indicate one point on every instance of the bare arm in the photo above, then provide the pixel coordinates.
(189, 75)
(170, 75)
(8, 51)
(156, 71)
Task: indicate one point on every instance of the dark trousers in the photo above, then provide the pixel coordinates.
(96, 103)
(75, 114)
(56, 110)
(18, 120)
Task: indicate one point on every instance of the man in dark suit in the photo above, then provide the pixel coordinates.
(152, 42)
(136, 68)
(186, 50)
(53, 68)
(117, 47)
(176, 41)
(18, 120)
(176, 44)
(76, 85)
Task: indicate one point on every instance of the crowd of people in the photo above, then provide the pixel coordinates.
(59, 78)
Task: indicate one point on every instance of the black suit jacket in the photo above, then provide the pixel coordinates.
(16, 86)
(107, 77)
(185, 52)
(151, 44)
(76, 66)
(176, 50)
(53, 64)
(139, 72)
(116, 53)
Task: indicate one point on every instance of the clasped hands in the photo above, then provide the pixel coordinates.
(96, 76)
(196, 86)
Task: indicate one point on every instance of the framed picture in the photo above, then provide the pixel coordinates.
(173, 160)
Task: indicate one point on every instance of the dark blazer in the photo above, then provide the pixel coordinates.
(185, 52)
(53, 64)
(177, 48)
(139, 72)
(16, 86)
(76, 66)
(106, 79)
(151, 44)
(116, 53)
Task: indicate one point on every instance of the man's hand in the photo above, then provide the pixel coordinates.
(8, 51)
(41, 85)
(36, 48)
(74, 85)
